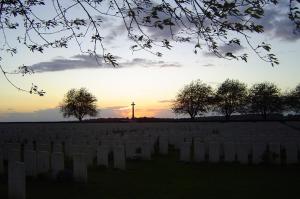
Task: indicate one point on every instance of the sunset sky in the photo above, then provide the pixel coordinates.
(151, 82)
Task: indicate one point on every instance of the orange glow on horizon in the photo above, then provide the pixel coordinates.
(139, 112)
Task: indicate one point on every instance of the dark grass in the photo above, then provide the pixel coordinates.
(164, 177)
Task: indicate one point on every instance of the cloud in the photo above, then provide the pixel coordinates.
(114, 107)
(166, 101)
(75, 62)
(114, 27)
(86, 61)
(277, 24)
(35, 116)
(148, 63)
(111, 112)
(114, 32)
(223, 49)
(208, 65)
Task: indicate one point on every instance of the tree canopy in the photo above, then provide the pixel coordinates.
(194, 99)
(231, 97)
(79, 103)
(293, 100)
(265, 98)
(205, 24)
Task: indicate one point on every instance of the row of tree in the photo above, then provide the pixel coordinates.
(234, 97)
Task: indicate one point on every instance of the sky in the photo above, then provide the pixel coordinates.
(151, 82)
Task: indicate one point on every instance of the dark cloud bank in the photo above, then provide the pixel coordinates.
(86, 61)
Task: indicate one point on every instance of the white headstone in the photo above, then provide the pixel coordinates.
(43, 162)
(199, 151)
(16, 181)
(258, 151)
(14, 155)
(163, 145)
(119, 157)
(130, 149)
(44, 147)
(68, 148)
(78, 149)
(28, 146)
(57, 148)
(291, 152)
(229, 151)
(90, 154)
(274, 148)
(146, 151)
(214, 152)
(80, 167)
(57, 163)
(243, 152)
(185, 151)
(30, 161)
(102, 156)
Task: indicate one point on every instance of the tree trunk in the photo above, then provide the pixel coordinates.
(192, 116)
(265, 114)
(227, 117)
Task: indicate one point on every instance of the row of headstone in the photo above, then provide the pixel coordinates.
(241, 152)
(38, 162)
(139, 140)
(119, 158)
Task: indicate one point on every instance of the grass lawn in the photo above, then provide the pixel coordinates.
(165, 177)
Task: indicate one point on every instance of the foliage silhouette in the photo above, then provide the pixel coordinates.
(79, 103)
(292, 100)
(194, 99)
(265, 98)
(231, 97)
(205, 24)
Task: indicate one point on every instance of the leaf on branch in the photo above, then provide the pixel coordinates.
(235, 41)
(159, 54)
(97, 37)
(110, 59)
(34, 90)
(265, 46)
(168, 22)
(79, 22)
(166, 44)
(229, 54)
(25, 70)
(36, 48)
(244, 57)
(256, 12)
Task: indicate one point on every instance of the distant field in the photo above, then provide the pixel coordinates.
(165, 177)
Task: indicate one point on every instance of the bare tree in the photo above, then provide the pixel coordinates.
(194, 99)
(79, 103)
(205, 24)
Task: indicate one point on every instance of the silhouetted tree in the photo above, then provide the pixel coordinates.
(292, 100)
(79, 103)
(265, 98)
(231, 97)
(194, 99)
(203, 23)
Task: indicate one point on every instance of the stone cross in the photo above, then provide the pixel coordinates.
(133, 104)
